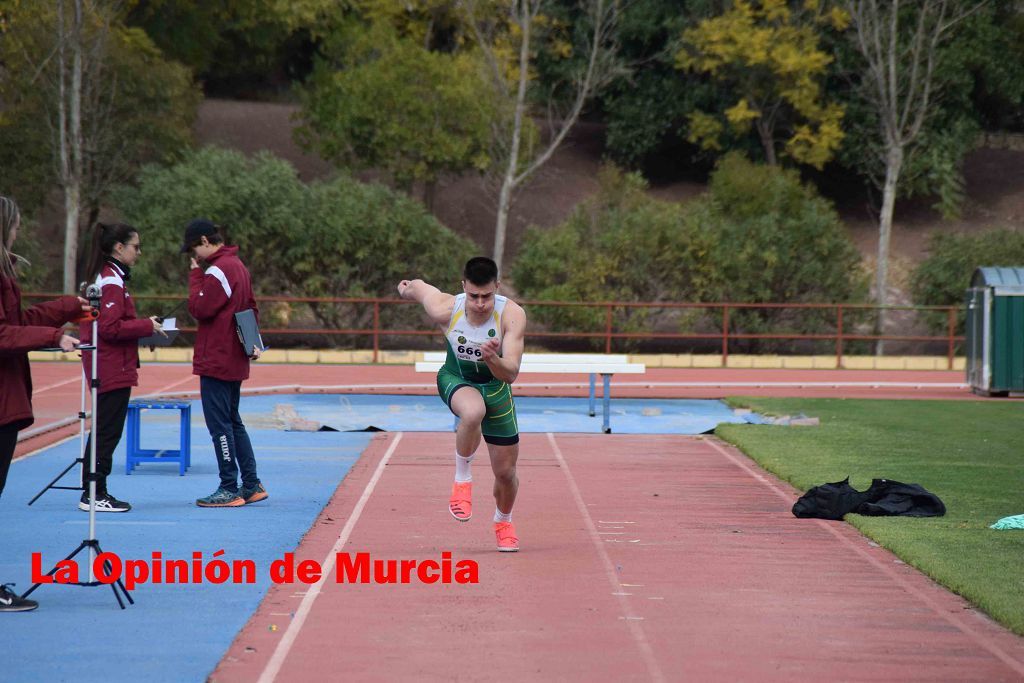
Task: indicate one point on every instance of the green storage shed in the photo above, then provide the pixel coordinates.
(995, 331)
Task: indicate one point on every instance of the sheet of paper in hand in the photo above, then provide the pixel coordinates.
(170, 326)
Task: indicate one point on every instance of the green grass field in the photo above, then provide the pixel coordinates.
(969, 453)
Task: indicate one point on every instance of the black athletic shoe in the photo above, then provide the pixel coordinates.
(9, 602)
(104, 503)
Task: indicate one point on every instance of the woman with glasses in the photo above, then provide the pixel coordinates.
(115, 249)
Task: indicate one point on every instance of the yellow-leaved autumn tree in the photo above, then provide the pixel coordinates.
(765, 56)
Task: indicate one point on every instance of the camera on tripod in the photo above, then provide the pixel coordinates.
(93, 294)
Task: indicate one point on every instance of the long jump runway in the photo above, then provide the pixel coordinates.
(656, 558)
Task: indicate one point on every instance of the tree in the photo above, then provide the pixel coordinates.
(646, 108)
(339, 238)
(70, 45)
(86, 101)
(765, 52)
(390, 103)
(508, 35)
(758, 236)
(940, 280)
(231, 44)
(778, 240)
(619, 245)
(900, 45)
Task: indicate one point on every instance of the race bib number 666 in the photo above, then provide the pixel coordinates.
(466, 352)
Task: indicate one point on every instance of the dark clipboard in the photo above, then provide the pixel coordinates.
(157, 339)
(249, 331)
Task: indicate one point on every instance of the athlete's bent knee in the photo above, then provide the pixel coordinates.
(506, 476)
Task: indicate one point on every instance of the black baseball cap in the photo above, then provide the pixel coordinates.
(198, 227)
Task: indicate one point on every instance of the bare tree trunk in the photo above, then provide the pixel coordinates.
(429, 194)
(893, 166)
(516, 165)
(501, 226)
(899, 84)
(70, 127)
(509, 181)
(768, 143)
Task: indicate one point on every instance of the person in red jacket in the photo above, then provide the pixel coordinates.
(218, 290)
(20, 332)
(115, 249)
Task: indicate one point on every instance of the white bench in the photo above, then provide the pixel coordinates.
(592, 364)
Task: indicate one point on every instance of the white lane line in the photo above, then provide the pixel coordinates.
(961, 625)
(55, 385)
(288, 639)
(117, 522)
(635, 628)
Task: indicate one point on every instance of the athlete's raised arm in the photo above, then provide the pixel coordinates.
(436, 303)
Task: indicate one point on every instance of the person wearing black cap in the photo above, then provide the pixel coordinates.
(217, 291)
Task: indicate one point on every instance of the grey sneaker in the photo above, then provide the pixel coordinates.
(255, 494)
(221, 498)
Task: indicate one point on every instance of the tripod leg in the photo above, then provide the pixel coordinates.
(81, 546)
(58, 478)
(117, 584)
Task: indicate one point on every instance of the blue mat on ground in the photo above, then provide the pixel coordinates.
(173, 632)
(536, 414)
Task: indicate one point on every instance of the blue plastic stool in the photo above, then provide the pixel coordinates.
(135, 454)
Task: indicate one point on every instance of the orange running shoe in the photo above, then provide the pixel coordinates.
(461, 502)
(507, 540)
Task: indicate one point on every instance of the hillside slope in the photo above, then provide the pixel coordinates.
(994, 186)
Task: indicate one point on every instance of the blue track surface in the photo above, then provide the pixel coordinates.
(173, 632)
(180, 632)
(563, 415)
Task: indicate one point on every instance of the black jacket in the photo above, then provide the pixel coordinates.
(883, 497)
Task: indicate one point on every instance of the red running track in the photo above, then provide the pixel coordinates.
(657, 558)
(644, 558)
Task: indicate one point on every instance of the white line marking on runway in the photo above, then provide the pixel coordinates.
(636, 630)
(960, 624)
(288, 639)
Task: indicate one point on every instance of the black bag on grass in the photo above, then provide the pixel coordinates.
(888, 497)
(883, 497)
(829, 501)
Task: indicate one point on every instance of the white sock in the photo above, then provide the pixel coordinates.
(462, 472)
(500, 516)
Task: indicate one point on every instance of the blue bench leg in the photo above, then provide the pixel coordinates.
(132, 446)
(183, 439)
(606, 427)
(593, 377)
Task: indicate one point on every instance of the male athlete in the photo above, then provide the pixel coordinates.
(484, 335)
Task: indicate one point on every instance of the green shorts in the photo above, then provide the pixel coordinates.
(500, 426)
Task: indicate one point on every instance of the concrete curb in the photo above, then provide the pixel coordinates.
(664, 360)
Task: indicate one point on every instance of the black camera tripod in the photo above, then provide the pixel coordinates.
(93, 294)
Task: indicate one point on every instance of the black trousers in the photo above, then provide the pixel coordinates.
(111, 411)
(8, 441)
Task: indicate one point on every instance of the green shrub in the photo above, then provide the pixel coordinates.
(619, 246)
(942, 278)
(339, 238)
(778, 241)
(758, 236)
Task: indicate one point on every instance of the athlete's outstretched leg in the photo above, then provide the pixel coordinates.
(506, 486)
(468, 405)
